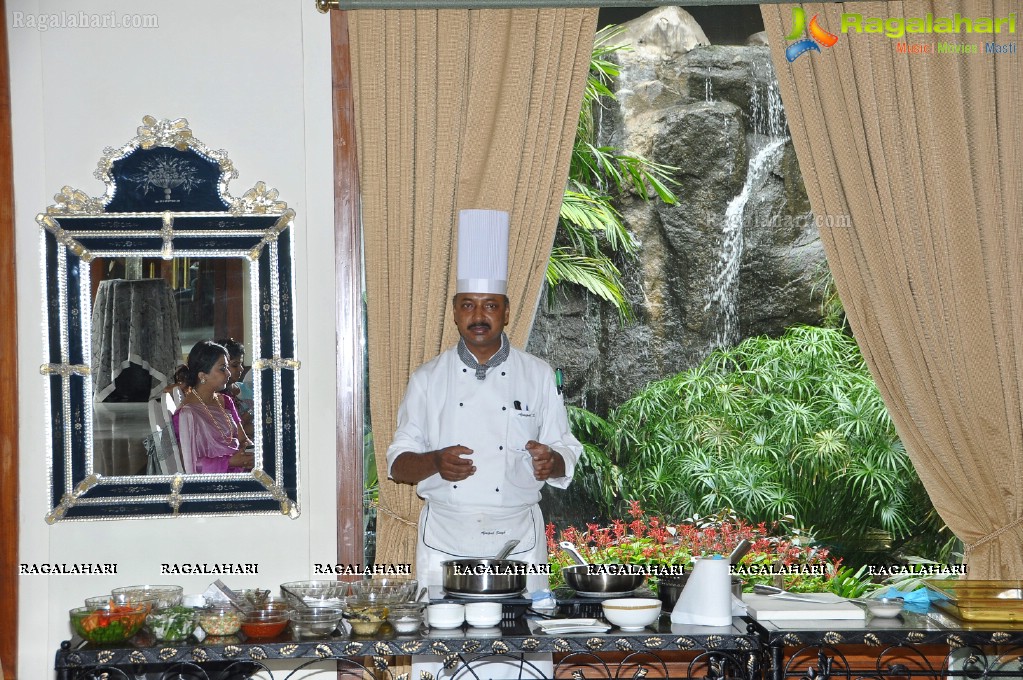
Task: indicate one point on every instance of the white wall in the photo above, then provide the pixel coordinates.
(252, 78)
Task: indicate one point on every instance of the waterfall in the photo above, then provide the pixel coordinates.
(767, 117)
(725, 281)
(768, 135)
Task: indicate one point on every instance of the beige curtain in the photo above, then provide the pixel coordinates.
(454, 109)
(924, 153)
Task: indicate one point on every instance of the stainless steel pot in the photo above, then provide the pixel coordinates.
(669, 589)
(606, 581)
(484, 577)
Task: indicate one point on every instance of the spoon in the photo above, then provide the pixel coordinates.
(232, 597)
(569, 547)
(296, 597)
(506, 550)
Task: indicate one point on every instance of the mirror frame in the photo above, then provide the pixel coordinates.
(129, 222)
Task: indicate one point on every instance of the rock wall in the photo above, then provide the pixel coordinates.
(736, 257)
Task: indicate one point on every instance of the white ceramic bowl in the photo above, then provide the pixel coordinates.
(483, 614)
(632, 613)
(445, 615)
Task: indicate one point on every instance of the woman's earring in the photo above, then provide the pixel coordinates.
(202, 380)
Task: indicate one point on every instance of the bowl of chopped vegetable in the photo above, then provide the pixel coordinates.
(172, 624)
(220, 620)
(113, 624)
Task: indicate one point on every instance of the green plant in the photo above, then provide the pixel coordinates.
(832, 309)
(849, 582)
(595, 472)
(590, 229)
(773, 427)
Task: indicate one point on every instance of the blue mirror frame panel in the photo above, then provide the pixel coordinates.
(167, 196)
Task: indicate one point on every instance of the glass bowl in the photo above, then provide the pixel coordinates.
(255, 598)
(172, 624)
(108, 625)
(330, 594)
(164, 596)
(121, 600)
(884, 607)
(219, 620)
(315, 622)
(407, 617)
(365, 616)
(265, 623)
(384, 590)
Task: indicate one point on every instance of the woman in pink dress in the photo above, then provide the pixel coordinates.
(209, 429)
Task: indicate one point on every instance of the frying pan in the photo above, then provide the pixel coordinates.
(485, 577)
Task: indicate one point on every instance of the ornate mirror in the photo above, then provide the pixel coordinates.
(166, 258)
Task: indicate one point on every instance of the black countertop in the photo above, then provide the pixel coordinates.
(744, 637)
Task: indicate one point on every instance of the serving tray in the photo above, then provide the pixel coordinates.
(995, 601)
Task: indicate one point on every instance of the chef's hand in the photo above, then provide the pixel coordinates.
(547, 463)
(450, 464)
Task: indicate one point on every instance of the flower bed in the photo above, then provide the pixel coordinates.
(646, 540)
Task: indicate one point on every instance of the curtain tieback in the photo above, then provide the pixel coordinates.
(395, 516)
(992, 536)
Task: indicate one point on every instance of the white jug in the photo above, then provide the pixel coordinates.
(706, 599)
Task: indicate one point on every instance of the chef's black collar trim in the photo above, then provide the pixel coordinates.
(481, 369)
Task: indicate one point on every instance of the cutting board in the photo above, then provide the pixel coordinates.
(767, 608)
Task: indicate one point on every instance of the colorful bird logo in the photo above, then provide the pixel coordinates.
(818, 36)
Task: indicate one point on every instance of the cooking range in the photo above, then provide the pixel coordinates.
(570, 604)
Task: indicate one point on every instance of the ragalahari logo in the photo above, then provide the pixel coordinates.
(818, 36)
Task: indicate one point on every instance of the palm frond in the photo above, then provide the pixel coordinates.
(591, 230)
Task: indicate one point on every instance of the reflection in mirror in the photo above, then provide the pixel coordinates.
(166, 258)
(142, 330)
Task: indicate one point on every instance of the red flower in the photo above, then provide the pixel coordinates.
(638, 528)
(618, 526)
(635, 510)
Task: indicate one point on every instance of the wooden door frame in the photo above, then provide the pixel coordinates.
(9, 372)
(348, 311)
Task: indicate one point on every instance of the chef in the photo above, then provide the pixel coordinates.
(483, 426)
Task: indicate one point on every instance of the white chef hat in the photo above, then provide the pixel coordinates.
(482, 251)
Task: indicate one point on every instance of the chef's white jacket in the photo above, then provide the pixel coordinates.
(446, 405)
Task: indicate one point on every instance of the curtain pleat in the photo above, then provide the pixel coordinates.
(454, 109)
(923, 153)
